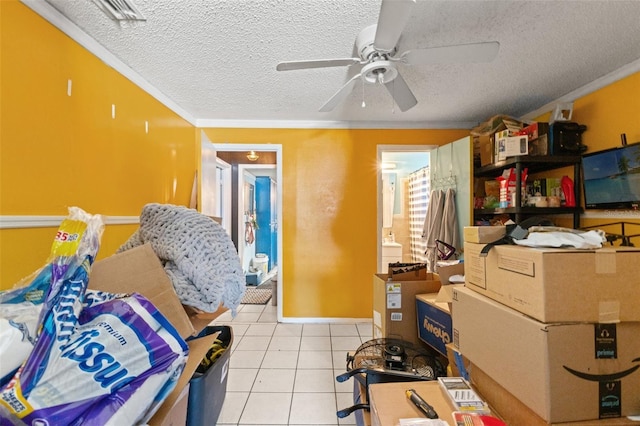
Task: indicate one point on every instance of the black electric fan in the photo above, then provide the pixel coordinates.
(389, 360)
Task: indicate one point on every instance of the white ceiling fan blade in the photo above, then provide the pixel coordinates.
(319, 63)
(340, 95)
(401, 93)
(462, 53)
(394, 15)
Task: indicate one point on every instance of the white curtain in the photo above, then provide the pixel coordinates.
(418, 202)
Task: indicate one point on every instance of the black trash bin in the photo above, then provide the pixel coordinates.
(209, 386)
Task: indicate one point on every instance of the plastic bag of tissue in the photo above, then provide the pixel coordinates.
(98, 358)
(77, 240)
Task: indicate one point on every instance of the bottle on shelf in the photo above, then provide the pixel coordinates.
(567, 188)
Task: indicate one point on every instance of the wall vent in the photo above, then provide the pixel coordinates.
(120, 10)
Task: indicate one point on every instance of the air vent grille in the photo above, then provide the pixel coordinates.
(120, 10)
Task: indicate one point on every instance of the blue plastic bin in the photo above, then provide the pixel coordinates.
(208, 389)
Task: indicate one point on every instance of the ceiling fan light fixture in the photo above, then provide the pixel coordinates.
(252, 156)
(379, 72)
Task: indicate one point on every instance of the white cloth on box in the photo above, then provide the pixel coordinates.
(197, 253)
(584, 240)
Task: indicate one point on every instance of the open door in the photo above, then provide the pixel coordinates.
(228, 177)
(397, 227)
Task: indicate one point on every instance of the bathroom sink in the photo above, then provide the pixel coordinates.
(391, 244)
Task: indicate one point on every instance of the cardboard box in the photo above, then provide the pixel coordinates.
(434, 322)
(556, 285)
(486, 148)
(563, 371)
(446, 271)
(389, 402)
(459, 365)
(537, 133)
(483, 234)
(514, 412)
(175, 414)
(394, 306)
(496, 124)
(534, 130)
(512, 146)
(140, 270)
(198, 348)
(400, 271)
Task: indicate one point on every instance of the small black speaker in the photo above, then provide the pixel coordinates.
(565, 138)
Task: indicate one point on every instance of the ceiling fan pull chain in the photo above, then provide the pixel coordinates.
(393, 102)
(363, 104)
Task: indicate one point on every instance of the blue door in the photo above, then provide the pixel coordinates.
(266, 212)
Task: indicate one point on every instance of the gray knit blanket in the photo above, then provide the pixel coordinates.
(197, 253)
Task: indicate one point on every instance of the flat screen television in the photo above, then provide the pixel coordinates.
(611, 178)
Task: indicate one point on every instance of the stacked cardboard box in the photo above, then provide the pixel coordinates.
(394, 305)
(555, 329)
(484, 137)
(433, 310)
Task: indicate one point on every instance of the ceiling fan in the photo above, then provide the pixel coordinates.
(377, 51)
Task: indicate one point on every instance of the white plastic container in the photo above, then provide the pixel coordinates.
(261, 263)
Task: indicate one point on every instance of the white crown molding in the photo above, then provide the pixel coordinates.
(313, 124)
(587, 89)
(26, 221)
(61, 22)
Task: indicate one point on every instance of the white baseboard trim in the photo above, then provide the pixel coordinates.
(307, 320)
(17, 222)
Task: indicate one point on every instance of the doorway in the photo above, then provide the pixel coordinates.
(232, 192)
(398, 232)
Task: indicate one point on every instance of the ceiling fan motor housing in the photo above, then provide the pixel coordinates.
(364, 44)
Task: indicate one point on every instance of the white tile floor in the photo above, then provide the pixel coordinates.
(285, 374)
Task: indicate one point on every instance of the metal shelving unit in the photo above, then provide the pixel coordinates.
(534, 164)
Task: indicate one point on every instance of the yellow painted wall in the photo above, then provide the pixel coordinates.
(329, 212)
(59, 151)
(607, 113)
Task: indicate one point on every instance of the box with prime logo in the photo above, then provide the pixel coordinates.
(394, 306)
(558, 285)
(483, 234)
(563, 371)
(514, 412)
(434, 322)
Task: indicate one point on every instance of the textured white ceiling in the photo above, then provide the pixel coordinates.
(217, 59)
